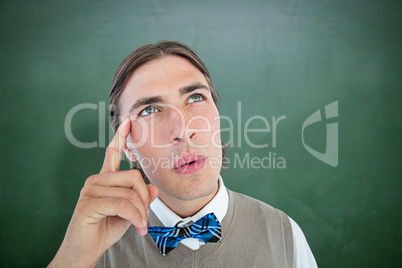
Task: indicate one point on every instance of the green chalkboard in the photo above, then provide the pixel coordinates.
(323, 78)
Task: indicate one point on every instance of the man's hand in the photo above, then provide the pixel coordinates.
(109, 203)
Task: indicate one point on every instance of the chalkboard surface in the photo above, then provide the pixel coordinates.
(321, 80)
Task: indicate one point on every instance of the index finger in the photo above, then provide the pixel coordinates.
(115, 148)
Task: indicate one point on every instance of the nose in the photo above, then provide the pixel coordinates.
(178, 128)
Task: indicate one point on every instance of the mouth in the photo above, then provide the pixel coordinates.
(190, 163)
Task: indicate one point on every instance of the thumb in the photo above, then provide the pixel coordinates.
(153, 192)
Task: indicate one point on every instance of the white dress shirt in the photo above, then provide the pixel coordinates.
(303, 257)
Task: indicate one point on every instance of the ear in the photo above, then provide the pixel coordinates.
(130, 155)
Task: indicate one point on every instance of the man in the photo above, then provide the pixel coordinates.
(163, 108)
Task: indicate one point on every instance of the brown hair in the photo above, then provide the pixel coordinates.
(141, 56)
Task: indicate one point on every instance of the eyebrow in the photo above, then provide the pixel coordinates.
(145, 101)
(155, 99)
(191, 88)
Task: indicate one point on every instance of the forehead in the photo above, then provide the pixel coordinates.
(162, 77)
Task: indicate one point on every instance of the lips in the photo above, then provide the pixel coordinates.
(190, 163)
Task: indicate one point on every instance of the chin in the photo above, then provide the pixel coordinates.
(196, 190)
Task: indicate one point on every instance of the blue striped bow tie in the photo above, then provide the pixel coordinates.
(207, 229)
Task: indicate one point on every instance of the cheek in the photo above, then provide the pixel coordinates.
(216, 136)
(139, 133)
(215, 128)
(146, 136)
(205, 117)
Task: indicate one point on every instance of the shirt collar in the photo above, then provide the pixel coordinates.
(218, 205)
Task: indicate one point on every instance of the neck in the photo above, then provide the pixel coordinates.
(186, 208)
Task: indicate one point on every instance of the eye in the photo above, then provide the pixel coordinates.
(149, 110)
(195, 98)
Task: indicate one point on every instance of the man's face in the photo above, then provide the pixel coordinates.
(175, 130)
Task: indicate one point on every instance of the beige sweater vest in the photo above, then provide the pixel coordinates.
(254, 234)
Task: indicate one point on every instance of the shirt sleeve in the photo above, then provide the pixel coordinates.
(303, 257)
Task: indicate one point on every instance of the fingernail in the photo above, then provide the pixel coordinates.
(144, 223)
(142, 231)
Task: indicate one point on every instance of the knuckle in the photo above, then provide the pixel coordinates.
(83, 191)
(87, 190)
(133, 197)
(135, 173)
(91, 179)
(136, 177)
(121, 203)
(111, 148)
(125, 207)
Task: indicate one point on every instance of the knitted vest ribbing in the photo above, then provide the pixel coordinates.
(254, 234)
